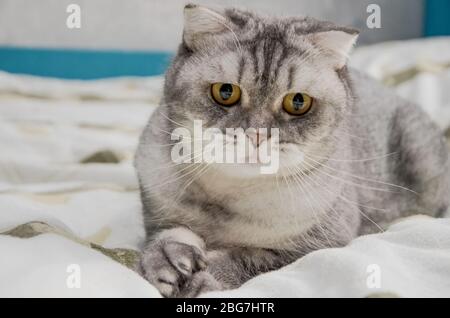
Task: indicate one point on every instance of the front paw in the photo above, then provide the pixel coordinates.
(172, 260)
(201, 282)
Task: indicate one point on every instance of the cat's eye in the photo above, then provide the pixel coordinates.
(225, 94)
(297, 104)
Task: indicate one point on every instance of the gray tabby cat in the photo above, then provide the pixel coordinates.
(353, 155)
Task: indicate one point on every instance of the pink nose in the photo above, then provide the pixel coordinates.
(256, 138)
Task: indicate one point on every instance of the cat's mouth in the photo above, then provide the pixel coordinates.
(287, 161)
(242, 153)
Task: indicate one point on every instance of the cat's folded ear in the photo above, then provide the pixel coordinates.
(337, 43)
(200, 23)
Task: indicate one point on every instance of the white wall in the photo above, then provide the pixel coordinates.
(157, 24)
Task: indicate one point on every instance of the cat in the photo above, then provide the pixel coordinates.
(353, 156)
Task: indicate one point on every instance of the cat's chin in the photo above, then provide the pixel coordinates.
(241, 171)
(247, 171)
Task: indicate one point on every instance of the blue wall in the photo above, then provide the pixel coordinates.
(82, 64)
(437, 17)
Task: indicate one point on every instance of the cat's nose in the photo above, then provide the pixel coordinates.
(256, 137)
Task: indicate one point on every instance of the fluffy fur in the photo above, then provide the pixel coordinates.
(359, 159)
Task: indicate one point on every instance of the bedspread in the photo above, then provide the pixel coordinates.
(70, 215)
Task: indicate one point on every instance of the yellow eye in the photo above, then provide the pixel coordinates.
(297, 104)
(225, 94)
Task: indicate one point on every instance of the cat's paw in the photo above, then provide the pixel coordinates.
(201, 282)
(170, 262)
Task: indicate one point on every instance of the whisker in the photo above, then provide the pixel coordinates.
(350, 235)
(167, 145)
(353, 160)
(308, 197)
(195, 177)
(169, 180)
(349, 201)
(362, 178)
(183, 137)
(171, 120)
(348, 181)
(173, 164)
(292, 206)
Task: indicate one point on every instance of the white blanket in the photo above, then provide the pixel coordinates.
(66, 150)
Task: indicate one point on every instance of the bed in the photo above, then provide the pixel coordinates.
(70, 215)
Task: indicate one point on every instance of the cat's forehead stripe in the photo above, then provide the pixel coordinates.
(241, 68)
(292, 70)
(268, 56)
